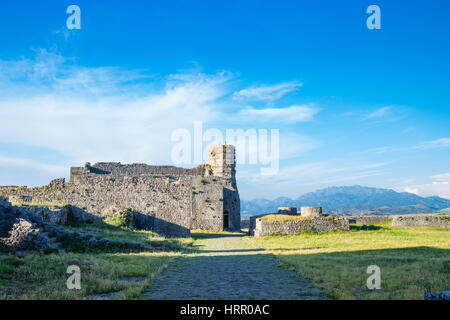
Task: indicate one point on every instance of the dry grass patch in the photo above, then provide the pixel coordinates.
(413, 260)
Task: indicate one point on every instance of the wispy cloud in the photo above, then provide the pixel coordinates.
(295, 113)
(294, 180)
(267, 93)
(92, 114)
(438, 143)
(379, 113)
(386, 114)
(50, 73)
(19, 162)
(424, 145)
(109, 114)
(443, 177)
(439, 186)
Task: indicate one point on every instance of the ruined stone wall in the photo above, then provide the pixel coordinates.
(207, 204)
(259, 227)
(140, 169)
(441, 221)
(168, 200)
(169, 205)
(369, 220)
(163, 204)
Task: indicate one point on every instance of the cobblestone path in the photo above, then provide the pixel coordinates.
(228, 267)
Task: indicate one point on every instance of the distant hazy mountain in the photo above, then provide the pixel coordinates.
(354, 200)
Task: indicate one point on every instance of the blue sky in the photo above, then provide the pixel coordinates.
(352, 105)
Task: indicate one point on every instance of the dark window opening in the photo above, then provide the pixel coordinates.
(226, 222)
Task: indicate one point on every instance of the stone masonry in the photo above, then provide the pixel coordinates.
(311, 211)
(287, 210)
(260, 227)
(427, 220)
(167, 200)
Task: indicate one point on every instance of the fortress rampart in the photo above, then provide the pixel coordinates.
(167, 200)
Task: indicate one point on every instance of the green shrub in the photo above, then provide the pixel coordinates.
(124, 219)
(6, 268)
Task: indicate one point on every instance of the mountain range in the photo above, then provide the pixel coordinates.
(351, 200)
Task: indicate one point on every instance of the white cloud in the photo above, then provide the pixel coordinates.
(444, 177)
(26, 163)
(50, 73)
(108, 114)
(101, 114)
(411, 190)
(267, 93)
(440, 186)
(387, 114)
(379, 113)
(438, 143)
(293, 145)
(432, 144)
(294, 180)
(295, 113)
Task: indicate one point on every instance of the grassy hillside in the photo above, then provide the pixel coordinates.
(44, 276)
(413, 260)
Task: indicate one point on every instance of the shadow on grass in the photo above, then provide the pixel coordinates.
(208, 235)
(119, 238)
(364, 228)
(406, 273)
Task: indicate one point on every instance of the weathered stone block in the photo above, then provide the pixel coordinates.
(287, 210)
(311, 211)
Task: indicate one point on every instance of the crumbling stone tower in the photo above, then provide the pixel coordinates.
(222, 161)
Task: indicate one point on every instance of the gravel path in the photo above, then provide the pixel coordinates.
(228, 267)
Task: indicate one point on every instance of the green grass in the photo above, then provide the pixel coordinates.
(51, 205)
(413, 260)
(44, 276)
(117, 233)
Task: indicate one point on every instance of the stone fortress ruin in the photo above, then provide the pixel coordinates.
(165, 199)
